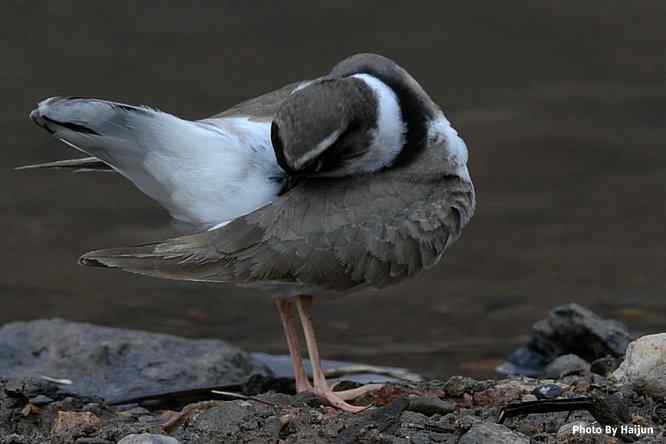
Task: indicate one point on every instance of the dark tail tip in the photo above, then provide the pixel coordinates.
(92, 262)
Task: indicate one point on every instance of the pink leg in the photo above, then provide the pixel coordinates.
(321, 388)
(284, 306)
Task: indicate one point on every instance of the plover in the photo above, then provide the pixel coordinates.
(323, 187)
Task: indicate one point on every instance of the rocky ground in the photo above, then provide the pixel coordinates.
(459, 410)
(592, 391)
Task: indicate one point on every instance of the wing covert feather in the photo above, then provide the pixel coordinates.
(329, 233)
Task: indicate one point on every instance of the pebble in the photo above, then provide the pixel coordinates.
(547, 391)
(457, 386)
(75, 423)
(148, 438)
(40, 400)
(137, 411)
(429, 406)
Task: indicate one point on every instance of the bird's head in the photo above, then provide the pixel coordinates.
(368, 114)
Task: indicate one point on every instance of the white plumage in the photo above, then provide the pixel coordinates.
(389, 137)
(203, 172)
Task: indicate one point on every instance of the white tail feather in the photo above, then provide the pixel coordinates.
(203, 173)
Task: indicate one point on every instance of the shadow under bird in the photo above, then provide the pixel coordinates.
(323, 187)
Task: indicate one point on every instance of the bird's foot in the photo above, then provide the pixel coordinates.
(339, 399)
(336, 401)
(358, 391)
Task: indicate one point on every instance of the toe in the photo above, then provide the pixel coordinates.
(340, 403)
(358, 392)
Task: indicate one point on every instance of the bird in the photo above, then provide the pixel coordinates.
(352, 180)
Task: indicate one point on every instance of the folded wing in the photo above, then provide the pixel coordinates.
(333, 234)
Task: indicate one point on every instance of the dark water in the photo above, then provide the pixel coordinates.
(562, 107)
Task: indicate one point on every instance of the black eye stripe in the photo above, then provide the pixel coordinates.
(278, 147)
(72, 126)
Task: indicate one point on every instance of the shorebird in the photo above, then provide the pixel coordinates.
(323, 187)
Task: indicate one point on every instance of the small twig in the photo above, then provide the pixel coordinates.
(184, 395)
(56, 380)
(186, 413)
(244, 397)
(545, 406)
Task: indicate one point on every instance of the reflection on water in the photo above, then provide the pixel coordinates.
(562, 109)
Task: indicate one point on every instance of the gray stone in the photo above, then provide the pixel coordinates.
(547, 391)
(148, 438)
(228, 422)
(605, 365)
(569, 329)
(137, 411)
(428, 405)
(566, 365)
(111, 363)
(41, 400)
(487, 432)
(457, 386)
(644, 366)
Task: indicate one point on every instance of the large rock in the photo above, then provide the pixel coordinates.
(110, 362)
(569, 329)
(644, 366)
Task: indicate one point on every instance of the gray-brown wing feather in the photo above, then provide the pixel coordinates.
(334, 234)
(261, 108)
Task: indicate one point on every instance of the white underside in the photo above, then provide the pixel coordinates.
(440, 130)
